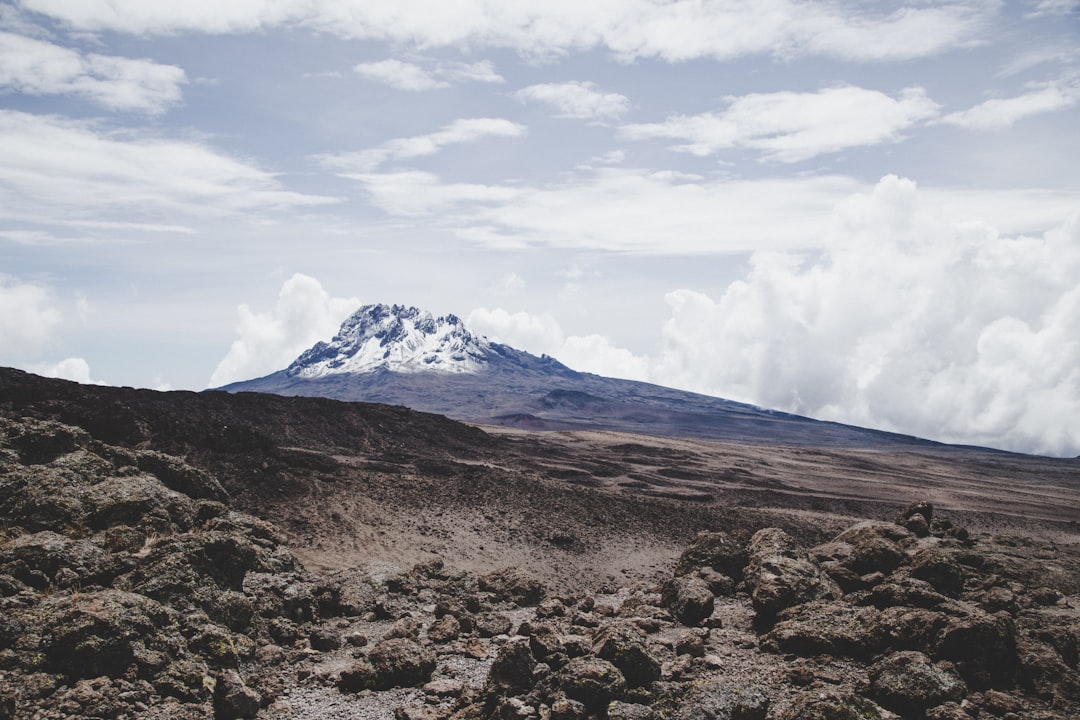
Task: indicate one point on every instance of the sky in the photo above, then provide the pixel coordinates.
(859, 211)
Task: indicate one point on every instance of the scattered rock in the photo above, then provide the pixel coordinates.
(781, 575)
(908, 683)
(689, 599)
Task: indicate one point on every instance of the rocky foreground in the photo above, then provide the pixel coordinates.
(129, 588)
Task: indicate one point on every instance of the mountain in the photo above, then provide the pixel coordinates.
(404, 356)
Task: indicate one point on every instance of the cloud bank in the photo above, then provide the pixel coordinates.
(671, 30)
(305, 313)
(905, 322)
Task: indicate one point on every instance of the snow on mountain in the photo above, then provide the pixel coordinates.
(395, 338)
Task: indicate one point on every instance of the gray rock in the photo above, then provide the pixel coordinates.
(781, 575)
(907, 682)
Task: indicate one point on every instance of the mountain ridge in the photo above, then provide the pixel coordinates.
(400, 355)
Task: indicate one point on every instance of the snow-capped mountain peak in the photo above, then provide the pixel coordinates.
(396, 338)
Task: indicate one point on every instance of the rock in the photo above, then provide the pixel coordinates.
(511, 672)
(835, 705)
(781, 575)
(908, 683)
(567, 709)
(38, 442)
(105, 633)
(399, 662)
(492, 624)
(688, 598)
(624, 649)
(720, 551)
(823, 627)
(66, 561)
(720, 699)
(982, 646)
(629, 711)
(444, 629)
(513, 708)
(513, 585)
(324, 639)
(359, 676)
(922, 508)
(909, 628)
(592, 682)
(181, 477)
(867, 547)
(940, 569)
(691, 643)
(233, 699)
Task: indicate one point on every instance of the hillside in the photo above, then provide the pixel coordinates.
(183, 555)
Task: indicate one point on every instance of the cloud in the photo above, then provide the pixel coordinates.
(460, 131)
(75, 369)
(37, 67)
(416, 78)
(414, 193)
(670, 30)
(792, 127)
(635, 211)
(54, 170)
(542, 335)
(906, 323)
(28, 318)
(269, 341)
(578, 100)
(1002, 113)
(402, 75)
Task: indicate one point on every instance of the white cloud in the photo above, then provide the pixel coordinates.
(421, 194)
(75, 369)
(673, 30)
(1001, 113)
(28, 318)
(791, 127)
(37, 67)
(57, 169)
(460, 131)
(907, 323)
(542, 335)
(402, 75)
(579, 100)
(269, 341)
(629, 210)
(416, 78)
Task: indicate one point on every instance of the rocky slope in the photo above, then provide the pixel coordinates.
(130, 588)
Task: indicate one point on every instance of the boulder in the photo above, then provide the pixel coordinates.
(688, 598)
(624, 648)
(940, 569)
(513, 585)
(867, 547)
(720, 699)
(721, 551)
(592, 681)
(823, 627)
(233, 699)
(781, 575)
(835, 705)
(511, 672)
(983, 648)
(399, 662)
(908, 683)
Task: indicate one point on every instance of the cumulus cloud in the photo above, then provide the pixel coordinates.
(55, 169)
(416, 78)
(37, 67)
(1000, 113)
(29, 316)
(75, 369)
(790, 126)
(269, 341)
(671, 30)
(577, 100)
(906, 323)
(541, 334)
(464, 130)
